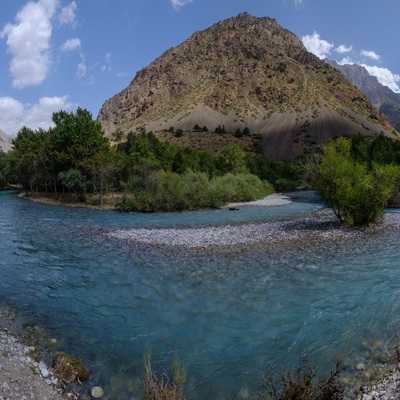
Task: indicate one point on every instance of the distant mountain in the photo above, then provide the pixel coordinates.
(245, 72)
(5, 141)
(383, 98)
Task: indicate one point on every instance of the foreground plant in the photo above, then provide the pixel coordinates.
(302, 385)
(163, 387)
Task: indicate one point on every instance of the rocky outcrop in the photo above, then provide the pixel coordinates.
(5, 141)
(245, 72)
(382, 97)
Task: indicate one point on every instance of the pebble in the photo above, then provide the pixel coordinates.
(43, 369)
(97, 392)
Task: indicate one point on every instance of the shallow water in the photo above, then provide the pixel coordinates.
(225, 317)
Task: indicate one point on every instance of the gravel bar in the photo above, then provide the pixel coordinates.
(320, 225)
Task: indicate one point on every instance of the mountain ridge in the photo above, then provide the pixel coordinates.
(381, 96)
(245, 72)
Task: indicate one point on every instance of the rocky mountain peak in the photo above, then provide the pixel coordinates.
(245, 72)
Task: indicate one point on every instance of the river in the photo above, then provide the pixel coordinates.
(226, 317)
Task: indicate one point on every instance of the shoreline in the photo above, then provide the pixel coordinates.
(21, 376)
(272, 200)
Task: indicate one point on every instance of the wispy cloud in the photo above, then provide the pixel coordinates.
(314, 44)
(342, 49)
(82, 67)
(68, 15)
(28, 41)
(298, 3)
(71, 45)
(178, 4)
(106, 66)
(346, 60)
(122, 74)
(370, 54)
(14, 114)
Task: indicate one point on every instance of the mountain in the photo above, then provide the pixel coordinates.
(383, 98)
(5, 141)
(245, 72)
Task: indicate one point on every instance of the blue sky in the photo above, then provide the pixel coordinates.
(63, 54)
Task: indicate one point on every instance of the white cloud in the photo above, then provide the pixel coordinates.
(343, 49)
(67, 15)
(14, 114)
(107, 66)
(385, 77)
(346, 60)
(177, 4)
(81, 70)
(298, 3)
(71, 44)
(314, 44)
(370, 54)
(28, 42)
(122, 74)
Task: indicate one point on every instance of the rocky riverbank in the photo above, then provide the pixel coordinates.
(388, 388)
(21, 377)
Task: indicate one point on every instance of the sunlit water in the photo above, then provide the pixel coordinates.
(224, 317)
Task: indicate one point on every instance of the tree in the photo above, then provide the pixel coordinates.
(238, 133)
(356, 193)
(5, 175)
(105, 166)
(383, 150)
(360, 148)
(25, 157)
(232, 159)
(77, 139)
(246, 131)
(74, 182)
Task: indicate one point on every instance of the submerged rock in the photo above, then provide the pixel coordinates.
(69, 369)
(97, 392)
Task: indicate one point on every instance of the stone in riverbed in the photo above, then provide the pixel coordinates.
(43, 369)
(97, 392)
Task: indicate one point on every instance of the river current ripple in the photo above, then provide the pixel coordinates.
(225, 316)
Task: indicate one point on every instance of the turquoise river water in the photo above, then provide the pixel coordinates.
(225, 317)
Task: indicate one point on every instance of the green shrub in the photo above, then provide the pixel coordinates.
(237, 188)
(356, 193)
(169, 191)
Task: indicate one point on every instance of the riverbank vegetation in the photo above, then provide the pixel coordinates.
(302, 384)
(356, 177)
(73, 161)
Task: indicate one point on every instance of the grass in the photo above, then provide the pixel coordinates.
(163, 387)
